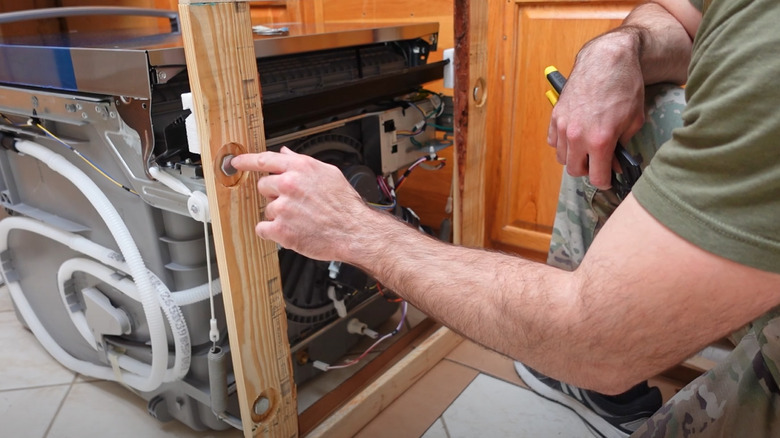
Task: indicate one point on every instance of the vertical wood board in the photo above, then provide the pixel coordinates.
(471, 100)
(226, 91)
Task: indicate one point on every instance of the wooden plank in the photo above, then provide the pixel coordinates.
(331, 401)
(689, 370)
(471, 99)
(308, 12)
(373, 399)
(226, 92)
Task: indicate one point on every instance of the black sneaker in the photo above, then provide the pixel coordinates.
(608, 416)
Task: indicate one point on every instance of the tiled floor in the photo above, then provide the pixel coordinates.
(472, 392)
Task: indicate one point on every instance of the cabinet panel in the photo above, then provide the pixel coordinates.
(524, 176)
(28, 28)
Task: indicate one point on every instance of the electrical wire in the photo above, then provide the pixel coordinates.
(85, 159)
(404, 306)
(386, 207)
(387, 298)
(388, 194)
(415, 164)
(212, 321)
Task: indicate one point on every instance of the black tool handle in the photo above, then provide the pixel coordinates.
(629, 165)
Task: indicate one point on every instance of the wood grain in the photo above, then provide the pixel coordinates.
(523, 175)
(471, 102)
(226, 92)
(381, 393)
(330, 402)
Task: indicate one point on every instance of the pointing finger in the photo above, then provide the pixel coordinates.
(270, 162)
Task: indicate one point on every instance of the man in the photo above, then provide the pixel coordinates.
(690, 256)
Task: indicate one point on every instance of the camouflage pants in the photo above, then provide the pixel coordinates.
(740, 396)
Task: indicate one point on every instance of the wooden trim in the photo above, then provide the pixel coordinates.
(307, 12)
(330, 402)
(689, 370)
(222, 69)
(353, 416)
(524, 238)
(471, 101)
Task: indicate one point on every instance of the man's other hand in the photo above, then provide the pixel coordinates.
(602, 102)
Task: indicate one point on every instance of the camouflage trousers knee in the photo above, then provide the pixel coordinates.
(740, 396)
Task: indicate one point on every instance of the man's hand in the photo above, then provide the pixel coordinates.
(308, 203)
(602, 102)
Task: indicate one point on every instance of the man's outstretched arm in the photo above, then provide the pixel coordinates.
(642, 300)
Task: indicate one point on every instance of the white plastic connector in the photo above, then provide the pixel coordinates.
(341, 308)
(198, 206)
(190, 124)
(358, 327)
(320, 365)
(213, 330)
(449, 69)
(333, 269)
(169, 181)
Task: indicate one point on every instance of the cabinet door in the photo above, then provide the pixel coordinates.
(28, 28)
(523, 176)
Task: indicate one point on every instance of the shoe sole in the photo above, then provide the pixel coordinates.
(594, 422)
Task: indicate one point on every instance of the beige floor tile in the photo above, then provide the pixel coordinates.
(106, 409)
(421, 405)
(490, 407)
(437, 430)
(25, 363)
(5, 300)
(485, 361)
(29, 412)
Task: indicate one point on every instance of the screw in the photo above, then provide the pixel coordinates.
(194, 209)
(262, 405)
(228, 168)
(161, 76)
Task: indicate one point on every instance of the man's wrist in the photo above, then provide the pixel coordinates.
(623, 44)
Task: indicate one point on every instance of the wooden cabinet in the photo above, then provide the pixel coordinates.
(523, 177)
(30, 27)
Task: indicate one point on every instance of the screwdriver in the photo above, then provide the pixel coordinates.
(631, 171)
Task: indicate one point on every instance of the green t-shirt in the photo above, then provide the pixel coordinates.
(716, 183)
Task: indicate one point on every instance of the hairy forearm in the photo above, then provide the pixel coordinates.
(520, 308)
(654, 37)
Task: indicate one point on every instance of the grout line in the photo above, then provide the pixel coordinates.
(487, 373)
(444, 425)
(59, 408)
(34, 387)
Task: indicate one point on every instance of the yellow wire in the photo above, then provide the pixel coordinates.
(86, 160)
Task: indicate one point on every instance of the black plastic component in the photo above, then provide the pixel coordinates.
(299, 110)
(8, 142)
